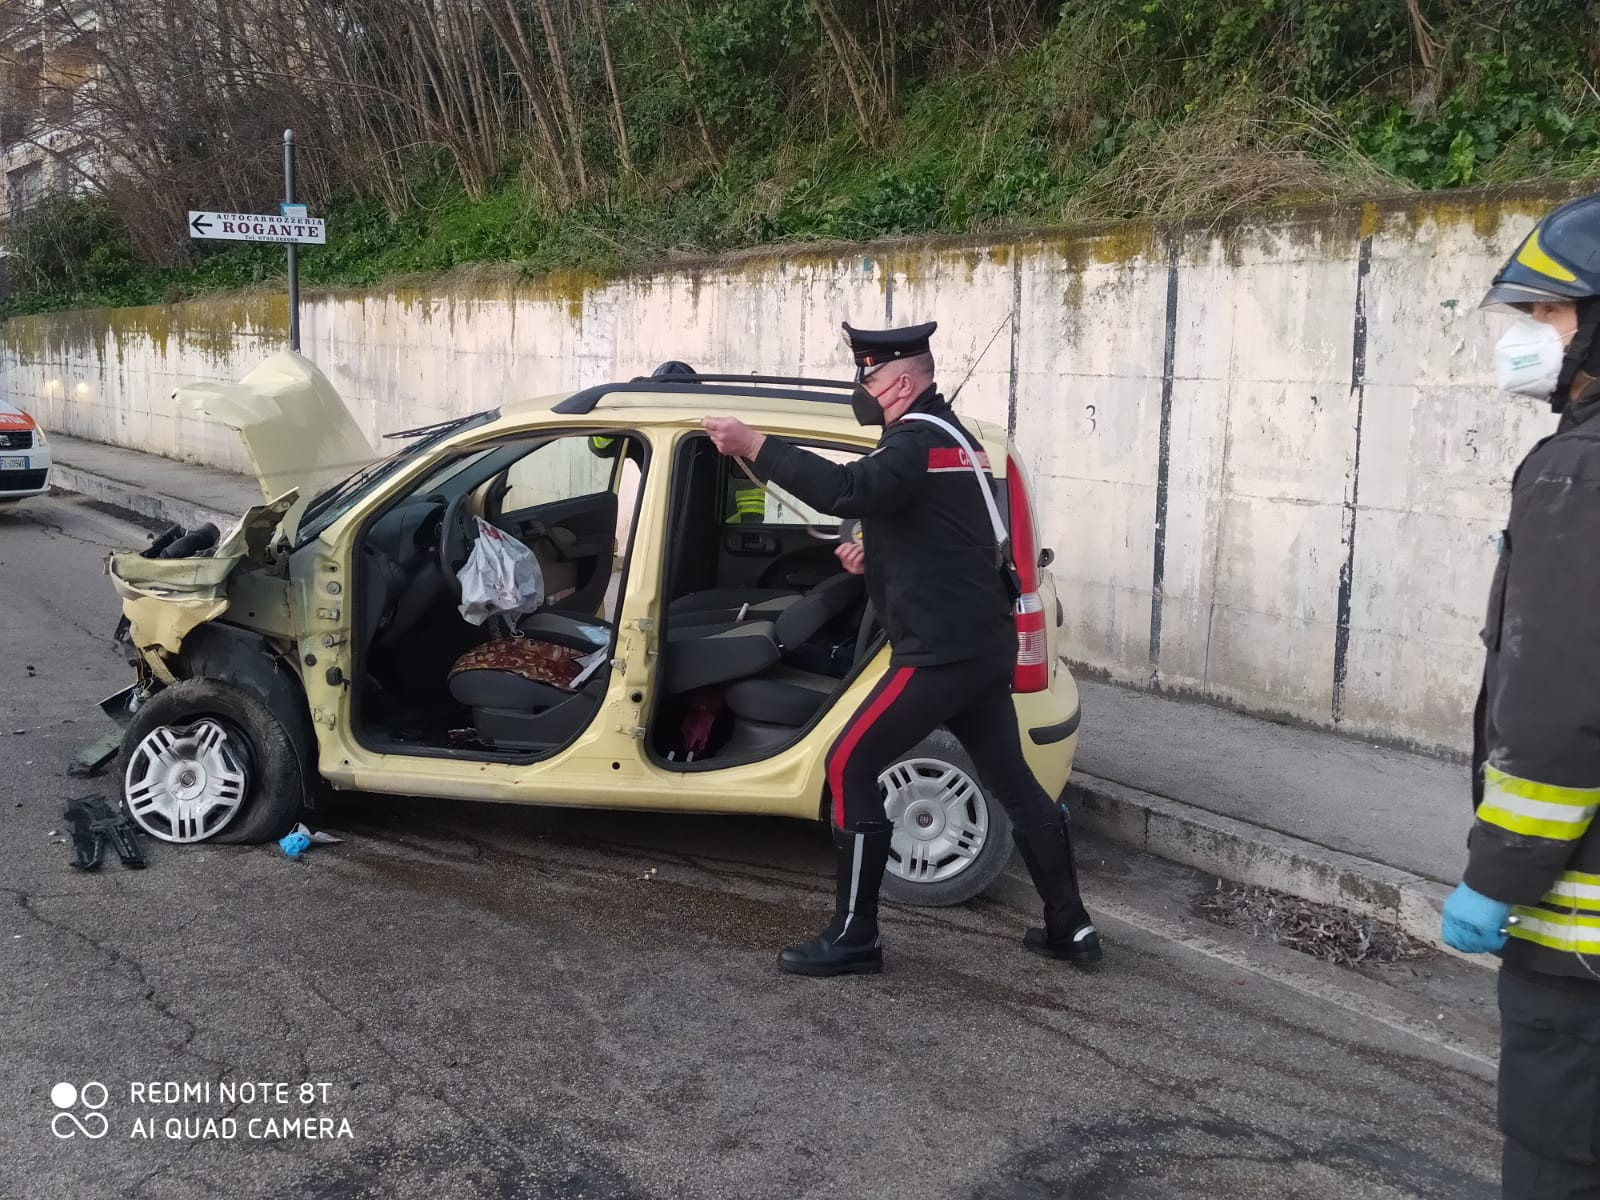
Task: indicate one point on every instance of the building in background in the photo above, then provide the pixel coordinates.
(48, 69)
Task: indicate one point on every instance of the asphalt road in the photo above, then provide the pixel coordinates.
(509, 1003)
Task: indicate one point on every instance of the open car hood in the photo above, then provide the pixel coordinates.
(297, 431)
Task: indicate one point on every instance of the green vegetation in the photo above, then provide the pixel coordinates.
(734, 123)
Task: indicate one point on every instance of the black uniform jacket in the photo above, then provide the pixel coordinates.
(931, 559)
(1535, 842)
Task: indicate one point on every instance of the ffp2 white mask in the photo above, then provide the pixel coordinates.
(1528, 358)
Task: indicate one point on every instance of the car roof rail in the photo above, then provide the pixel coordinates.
(790, 387)
(785, 380)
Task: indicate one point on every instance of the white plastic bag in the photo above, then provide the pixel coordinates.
(501, 576)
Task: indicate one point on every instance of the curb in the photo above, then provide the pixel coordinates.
(1248, 854)
(158, 507)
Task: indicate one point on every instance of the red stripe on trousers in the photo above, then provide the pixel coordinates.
(858, 729)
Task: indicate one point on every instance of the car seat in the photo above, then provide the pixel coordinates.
(770, 707)
(710, 654)
(519, 688)
(724, 605)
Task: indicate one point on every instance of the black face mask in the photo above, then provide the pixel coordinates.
(865, 406)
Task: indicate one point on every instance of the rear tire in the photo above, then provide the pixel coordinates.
(225, 741)
(941, 811)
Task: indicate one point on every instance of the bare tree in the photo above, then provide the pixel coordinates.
(598, 17)
(868, 69)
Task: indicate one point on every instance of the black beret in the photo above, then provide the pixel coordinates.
(874, 347)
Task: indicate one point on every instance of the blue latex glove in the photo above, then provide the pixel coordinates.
(1473, 923)
(294, 844)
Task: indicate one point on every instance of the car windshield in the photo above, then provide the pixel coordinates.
(333, 502)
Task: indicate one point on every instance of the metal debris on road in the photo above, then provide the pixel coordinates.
(1323, 931)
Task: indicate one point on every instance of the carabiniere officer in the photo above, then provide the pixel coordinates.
(929, 554)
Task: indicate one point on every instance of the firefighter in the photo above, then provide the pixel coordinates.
(747, 504)
(1531, 890)
(933, 573)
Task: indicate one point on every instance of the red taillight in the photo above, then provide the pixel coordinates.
(1033, 645)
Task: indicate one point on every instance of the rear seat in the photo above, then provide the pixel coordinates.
(780, 696)
(700, 656)
(724, 605)
(729, 597)
(719, 652)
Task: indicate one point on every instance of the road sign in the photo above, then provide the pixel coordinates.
(258, 227)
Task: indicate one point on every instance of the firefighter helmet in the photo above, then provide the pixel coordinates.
(1558, 260)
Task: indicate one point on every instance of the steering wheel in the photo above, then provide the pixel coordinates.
(457, 532)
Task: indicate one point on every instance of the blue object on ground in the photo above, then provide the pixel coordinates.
(294, 844)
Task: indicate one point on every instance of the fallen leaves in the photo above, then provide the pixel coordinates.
(1323, 931)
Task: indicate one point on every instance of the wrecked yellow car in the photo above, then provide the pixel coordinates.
(695, 647)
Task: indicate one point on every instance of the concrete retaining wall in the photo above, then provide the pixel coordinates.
(1269, 455)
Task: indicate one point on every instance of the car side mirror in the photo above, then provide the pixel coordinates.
(1046, 557)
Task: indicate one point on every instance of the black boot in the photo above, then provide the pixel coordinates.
(1068, 933)
(850, 943)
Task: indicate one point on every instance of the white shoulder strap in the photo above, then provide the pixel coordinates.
(1000, 534)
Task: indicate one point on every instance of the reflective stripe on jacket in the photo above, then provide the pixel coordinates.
(749, 504)
(1535, 843)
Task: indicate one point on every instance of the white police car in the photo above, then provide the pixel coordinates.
(24, 456)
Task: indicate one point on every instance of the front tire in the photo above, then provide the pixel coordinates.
(204, 761)
(951, 838)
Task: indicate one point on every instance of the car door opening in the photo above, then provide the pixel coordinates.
(762, 630)
(520, 685)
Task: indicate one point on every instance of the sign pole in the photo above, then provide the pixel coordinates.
(294, 251)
